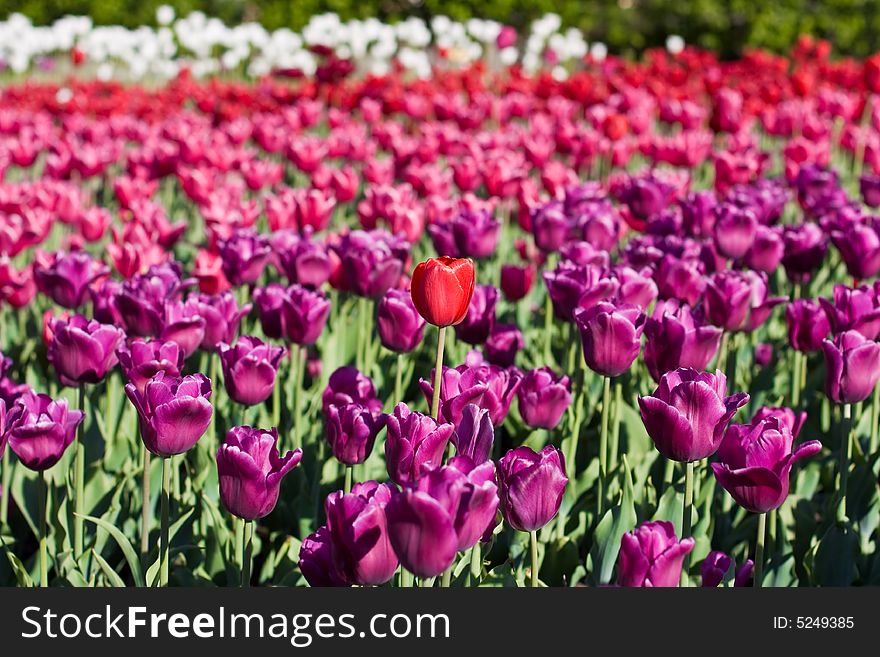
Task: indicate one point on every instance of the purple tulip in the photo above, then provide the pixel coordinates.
(681, 279)
(572, 286)
(296, 313)
(222, 317)
(738, 301)
(141, 302)
(763, 354)
(358, 530)
(488, 386)
(349, 386)
(543, 398)
(734, 230)
(754, 462)
(852, 367)
(792, 420)
(767, 250)
(400, 326)
(413, 441)
(503, 344)
(83, 351)
(635, 288)
(447, 510)
(183, 325)
(532, 486)
(66, 277)
(372, 262)
(351, 431)
(716, 565)
(652, 556)
(470, 234)
(859, 246)
(142, 359)
(174, 412)
(249, 369)
(39, 430)
(480, 317)
(584, 253)
(250, 471)
(698, 213)
(244, 256)
(854, 309)
(103, 303)
(805, 248)
(316, 560)
(550, 226)
(10, 391)
(474, 435)
(677, 337)
(645, 195)
(869, 186)
(304, 261)
(808, 325)
(688, 413)
(611, 337)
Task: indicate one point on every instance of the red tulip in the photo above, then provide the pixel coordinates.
(442, 289)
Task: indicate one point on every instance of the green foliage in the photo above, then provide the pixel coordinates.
(626, 26)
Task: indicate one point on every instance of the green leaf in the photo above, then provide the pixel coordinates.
(172, 531)
(128, 551)
(614, 524)
(21, 573)
(108, 571)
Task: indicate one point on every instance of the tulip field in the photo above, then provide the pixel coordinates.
(466, 312)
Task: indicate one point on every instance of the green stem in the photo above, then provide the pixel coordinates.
(145, 505)
(773, 530)
(845, 455)
(164, 551)
(398, 381)
(615, 426)
(438, 373)
(796, 380)
(668, 472)
(687, 514)
(4, 494)
(603, 448)
(406, 578)
(759, 550)
(446, 579)
(276, 403)
(533, 540)
(476, 572)
(79, 481)
(548, 328)
(874, 445)
(247, 536)
(43, 487)
(299, 363)
(721, 364)
(348, 476)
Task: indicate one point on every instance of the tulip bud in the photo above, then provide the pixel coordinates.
(676, 337)
(83, 351)
(652, 555)
(808, 325)
(250, 471)
(442, 289)
(351, 432)
(688, 413)
(754, 462)
(543, 397)
(852, 367)
(173, 412)
(479, 320)
(67, 277)
(611, 337)
(474, 434)
(532, 486)
(250, 369)
(358, 530)
(142, 359)
(516, 281)
(413, 441)
(398, 323)
(245, 255)
(40, 429)
(716, 566)
(348, 386)
(316, 560)
(503, 344)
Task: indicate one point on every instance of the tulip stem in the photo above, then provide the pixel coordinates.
(615, 425)
(4, 492)
(721, 364)
(43, 489)
(845, 455)
(438, 373)
(348, 476)
(276, 403)
(164, 555)
(759, 550)
(247, 538)
(145, 506)
(686, 515)
(796, 380)
(533, 540)
(874, 445)
(548, 329)
(406, 578)
(603, 448)
(79, 479)
(398, 381)
(446, 578)
(299, 364)
(476, 570)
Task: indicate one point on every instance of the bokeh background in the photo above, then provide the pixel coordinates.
(726, 26)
